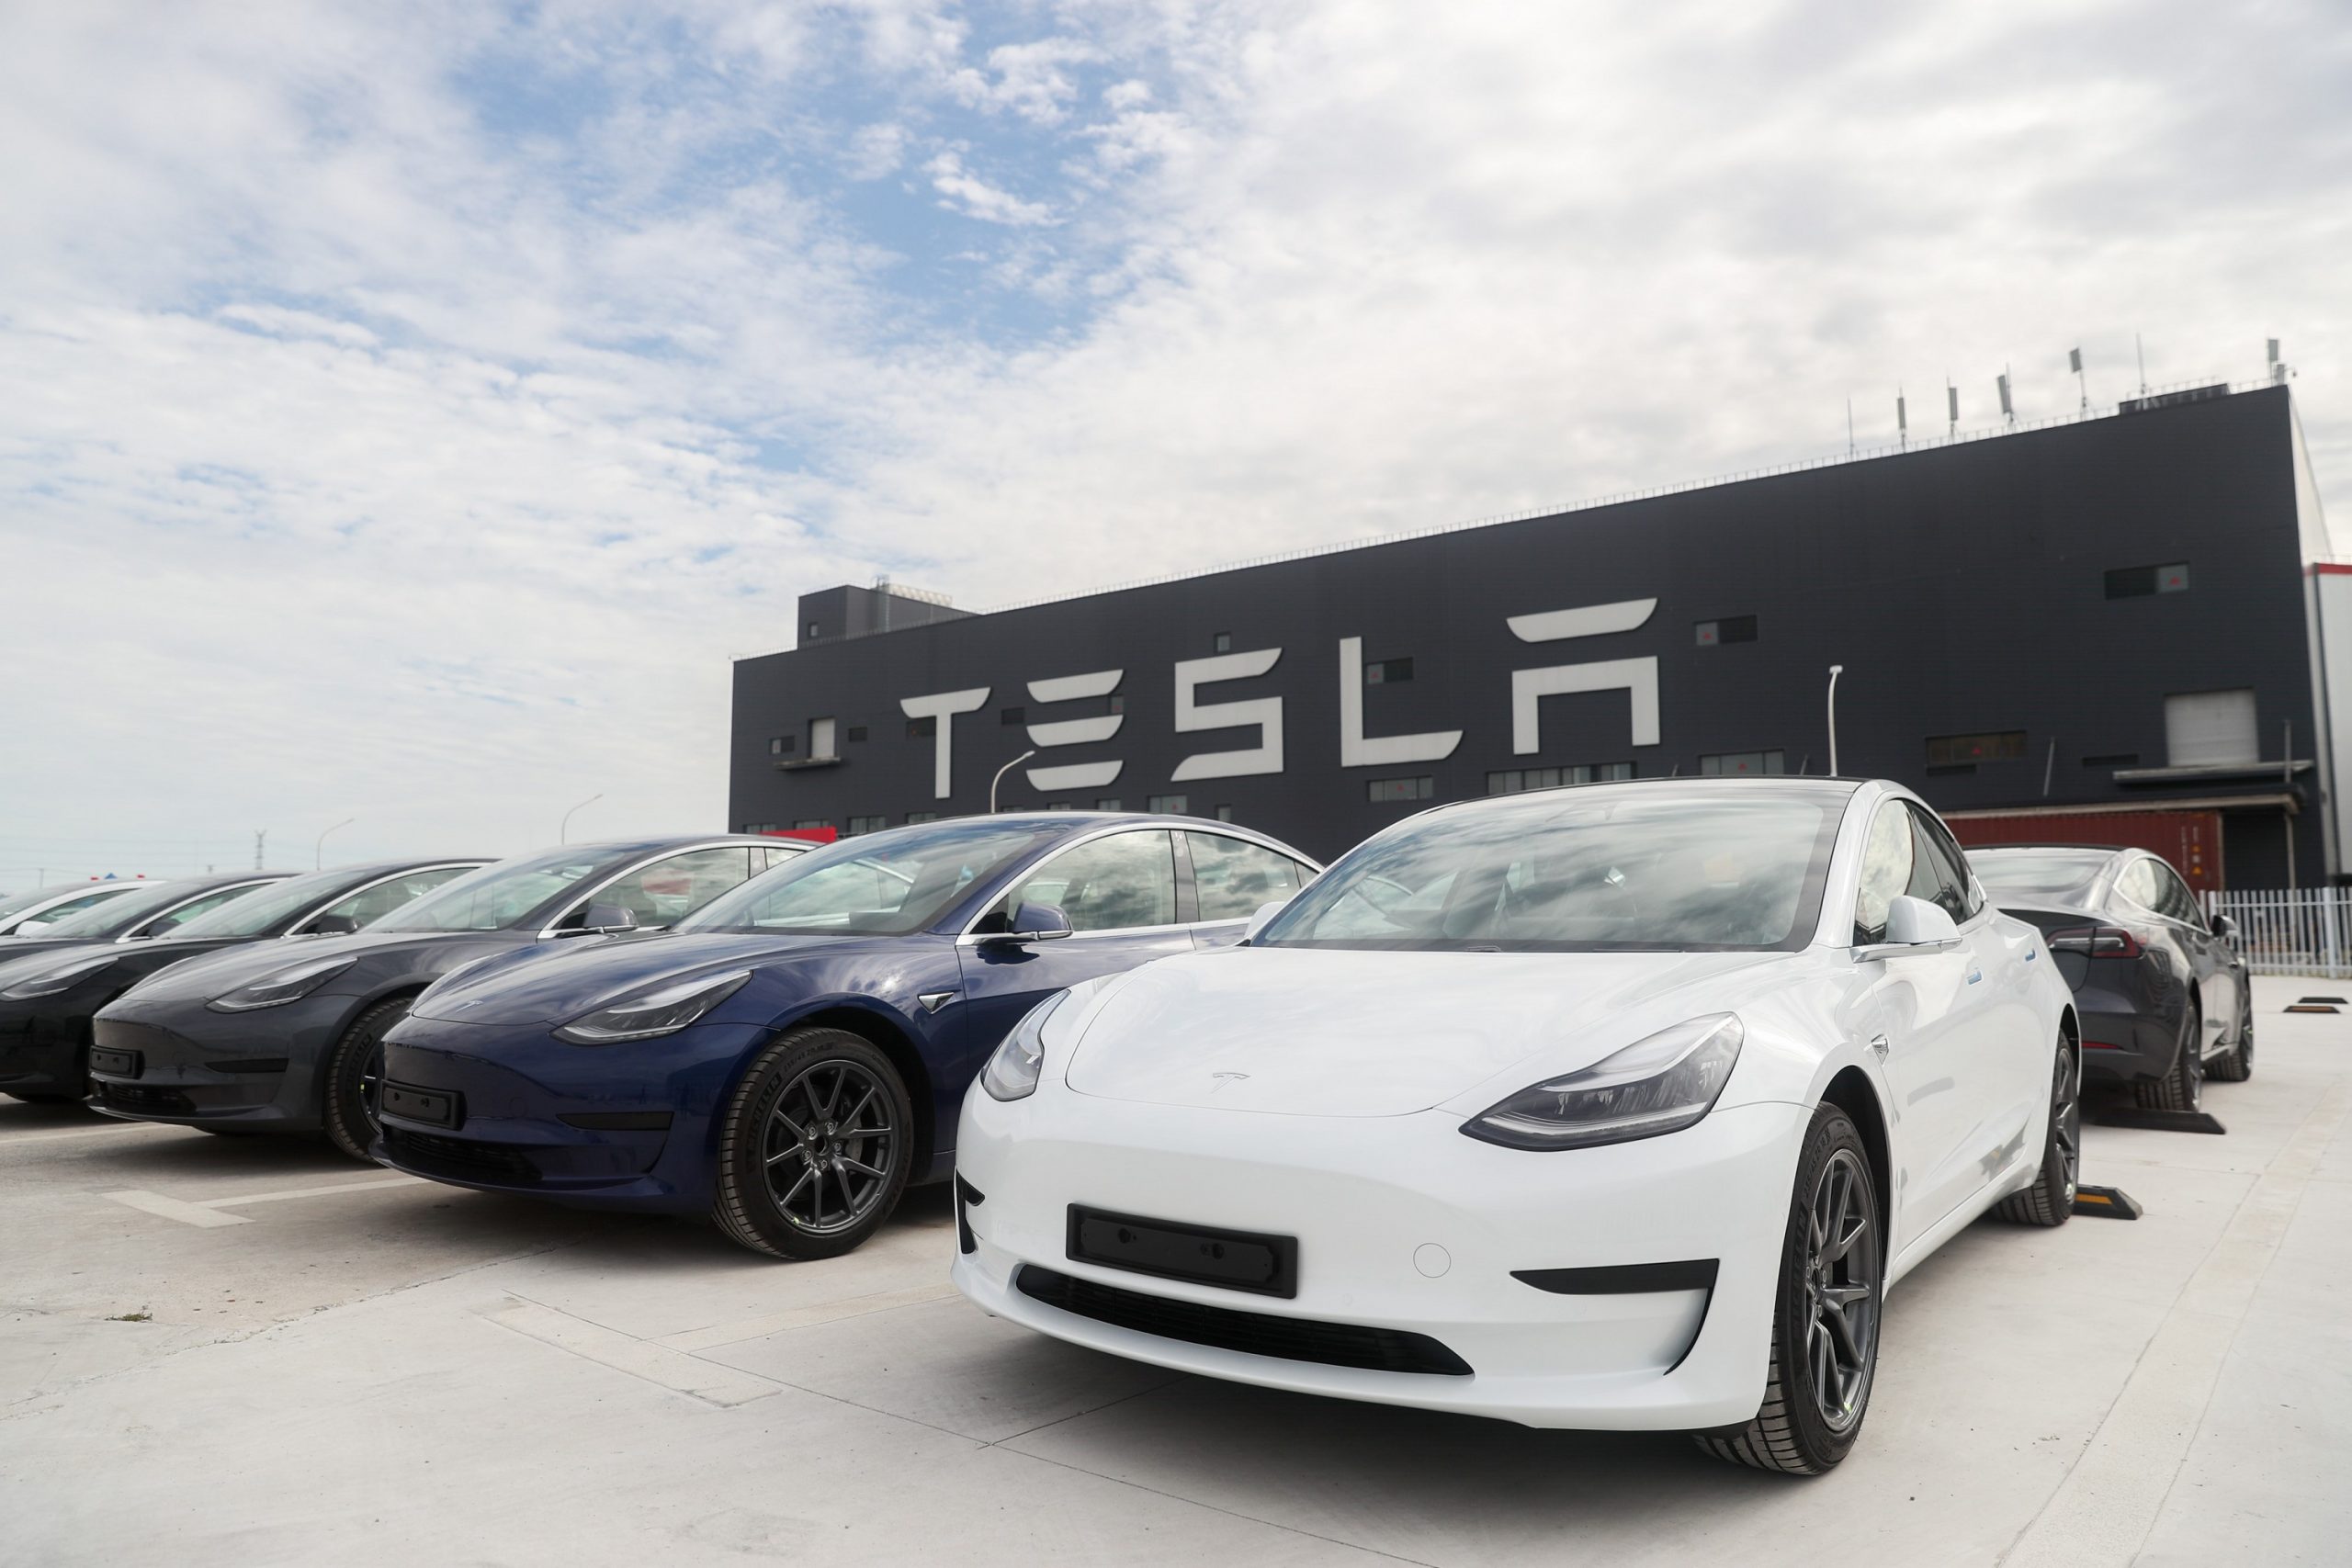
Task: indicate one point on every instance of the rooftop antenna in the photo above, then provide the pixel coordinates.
(2007, 413)
(1952, 406)
(2143, 353)
(2277, 366)
(259, 835)
(1902, 422)
(2075, 363)
(1850, 427)
(882, 591)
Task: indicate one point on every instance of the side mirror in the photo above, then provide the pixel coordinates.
(1258, 921)
(1035, 922)
(2225, 927)
(1913, 927)
(31, 927)
(332, 925)
(608, 918)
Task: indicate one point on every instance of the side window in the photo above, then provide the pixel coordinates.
(374, 903)
(1887, 861)
(2175, 898)
(187, 912)
(1113, 883)
(1953, 889)
(2138, 884)
(56, 912)
(659, 894)
(1232, 878)
(769, 859)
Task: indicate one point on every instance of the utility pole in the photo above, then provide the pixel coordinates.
(563, 833)
(1001, 771)
(318, 850)
(1835, 671)
(259, 835)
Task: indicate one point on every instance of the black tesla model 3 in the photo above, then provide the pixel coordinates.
(40, 1056)
(2164, 997)
(291, 1039)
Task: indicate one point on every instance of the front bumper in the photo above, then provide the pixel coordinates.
(41, 1053)
(518, 1097)
(1404, 1224)
(198, 1067)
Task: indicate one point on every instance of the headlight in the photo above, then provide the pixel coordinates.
(649, 1013)
(1011, 1073)
(49, 982)
(281, 986)
(1662, 1084)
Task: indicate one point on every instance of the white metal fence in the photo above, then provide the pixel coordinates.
(2303, 933)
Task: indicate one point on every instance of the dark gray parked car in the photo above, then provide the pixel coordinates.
(2163, 995)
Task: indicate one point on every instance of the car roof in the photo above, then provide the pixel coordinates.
(1805, 786)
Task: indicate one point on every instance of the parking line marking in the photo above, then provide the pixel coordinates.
(380, 1182)
(802, 1317)
(672, 1370)
(174, 1209)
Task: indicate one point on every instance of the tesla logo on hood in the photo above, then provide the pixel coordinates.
(1225, 1079)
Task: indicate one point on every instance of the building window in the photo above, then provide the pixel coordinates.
(1012, 716)
(1512, 781)
(1114, 702)
(1744, 763)
(810, 823)
(915, 816)
(1167, 805)
(1949, 751)
(1731, 628)
(1108, 803)
(867, 825)
(922, 729)
(783, 745)
(1058, 805)
(759, 827)
(813, 630)
(1387, 671)
(1224, 814)
(2139, 581)
(1221, 643)
(1420, 788)
(855, 734)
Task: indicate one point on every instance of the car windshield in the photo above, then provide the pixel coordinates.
(879, 885)
(16, 902)
(1631, 870)
(500, 896)
(116, 916)
(2055, 877)
(261, 911)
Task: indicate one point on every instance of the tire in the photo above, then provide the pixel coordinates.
(2051, 1200)
(348, 1113)
(1809, 1420)
(2236, 1063)
(50, 1099)
(2182, 1088)
(820, 1112)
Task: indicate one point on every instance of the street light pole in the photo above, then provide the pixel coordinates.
(1835, 671)
(319, 850)
(563, 834)
(1001, 771)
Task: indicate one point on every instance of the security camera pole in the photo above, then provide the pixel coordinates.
(1001, 771)
(1835, 671)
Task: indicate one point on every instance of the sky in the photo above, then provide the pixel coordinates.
(408, 412)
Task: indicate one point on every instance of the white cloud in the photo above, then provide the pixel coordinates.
(362, 452)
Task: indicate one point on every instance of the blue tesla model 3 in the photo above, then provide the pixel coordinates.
(792, 1055)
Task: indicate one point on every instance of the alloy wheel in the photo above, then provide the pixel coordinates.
(827, 1146)
(371, 1087)
(1841, 1275)
(2067, 1119)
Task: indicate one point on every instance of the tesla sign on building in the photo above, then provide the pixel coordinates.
(2111, 617)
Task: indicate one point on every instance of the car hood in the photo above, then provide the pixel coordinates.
(1323, 1033)
(207, 975)
(16, 950)
(542, 988)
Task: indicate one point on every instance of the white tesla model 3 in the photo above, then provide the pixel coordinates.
(1612, 1107)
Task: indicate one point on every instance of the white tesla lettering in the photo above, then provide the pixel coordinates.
(1386, 750)
(1636, 677)
(944, 706)
(1075, 732)
(1266, 713)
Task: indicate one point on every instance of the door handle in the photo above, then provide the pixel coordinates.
(1878, 1046)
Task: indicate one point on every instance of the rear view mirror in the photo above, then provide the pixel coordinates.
(1258, 921)
(1913, 926)
(1037, 922)
(332, 925)
(2225, 927)
(608, 918)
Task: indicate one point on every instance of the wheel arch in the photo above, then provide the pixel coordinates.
(1851, 1091)
(887, 1034)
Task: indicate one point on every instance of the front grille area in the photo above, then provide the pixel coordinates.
(466, 1159)
(1257, 1334)
(143, 1097)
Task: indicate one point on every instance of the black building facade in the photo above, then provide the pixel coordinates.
(2115, 613)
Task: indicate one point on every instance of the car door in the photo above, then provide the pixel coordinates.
(2212, 964)
(2008, 1069)
(1119, 892)
(1927, 1008)
(1232, 879)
